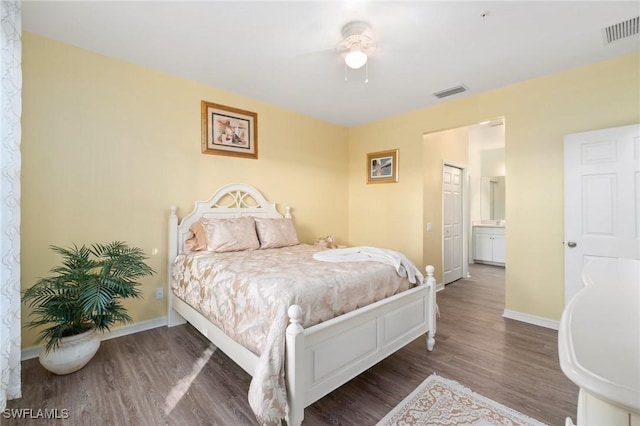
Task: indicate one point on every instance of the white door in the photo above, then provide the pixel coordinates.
(451, 224)
(601, 200)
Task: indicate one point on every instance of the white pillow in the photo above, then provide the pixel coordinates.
(277, 232)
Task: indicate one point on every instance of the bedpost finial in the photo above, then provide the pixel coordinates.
(295, 314)
(295, 319)
(173, 209)
(430, 270)
(287, 212)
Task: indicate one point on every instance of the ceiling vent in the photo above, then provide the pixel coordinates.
(449, 92)
(621, 30)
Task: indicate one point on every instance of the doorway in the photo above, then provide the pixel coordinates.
(479, 152)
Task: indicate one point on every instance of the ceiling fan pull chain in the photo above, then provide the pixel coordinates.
(345, 72)
(366, 72)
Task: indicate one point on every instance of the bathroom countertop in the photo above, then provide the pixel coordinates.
(489, 224)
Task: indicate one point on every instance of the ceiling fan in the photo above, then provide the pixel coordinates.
(357, 42)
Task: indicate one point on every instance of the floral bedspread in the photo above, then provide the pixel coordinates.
(247, 294)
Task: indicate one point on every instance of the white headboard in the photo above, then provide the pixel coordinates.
(232, 200)
(229, 201)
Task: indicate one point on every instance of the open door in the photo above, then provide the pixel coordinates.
(451, 224)
(601, 200)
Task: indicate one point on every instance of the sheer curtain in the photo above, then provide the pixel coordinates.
(10, 134)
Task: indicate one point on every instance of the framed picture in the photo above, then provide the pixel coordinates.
(382, 166)
(229, 131)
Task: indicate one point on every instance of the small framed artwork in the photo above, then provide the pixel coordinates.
(229, 131)
(382, 166)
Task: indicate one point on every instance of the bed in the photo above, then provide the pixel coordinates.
(318, 358)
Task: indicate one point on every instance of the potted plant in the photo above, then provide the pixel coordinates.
(82, 295)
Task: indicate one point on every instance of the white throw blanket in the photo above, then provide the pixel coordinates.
(399, 261)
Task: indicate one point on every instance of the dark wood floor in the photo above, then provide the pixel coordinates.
(174, 376)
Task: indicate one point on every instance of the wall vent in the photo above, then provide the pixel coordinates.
(451, 91)
(621, 30)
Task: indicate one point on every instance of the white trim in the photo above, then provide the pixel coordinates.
(531, 319)
(29, 353)
(34, 351)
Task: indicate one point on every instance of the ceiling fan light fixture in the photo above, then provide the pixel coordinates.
(355, 59)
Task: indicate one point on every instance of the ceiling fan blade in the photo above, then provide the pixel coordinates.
(322, 52)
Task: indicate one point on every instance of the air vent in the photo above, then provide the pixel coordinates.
(621, 30)
(448, 92)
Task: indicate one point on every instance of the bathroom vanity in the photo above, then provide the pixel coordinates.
(489, 242)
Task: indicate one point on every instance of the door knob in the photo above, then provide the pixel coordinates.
(571, 243)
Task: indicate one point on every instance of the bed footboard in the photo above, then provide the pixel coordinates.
(321, 358)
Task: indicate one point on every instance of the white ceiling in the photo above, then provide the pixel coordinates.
(284, 52)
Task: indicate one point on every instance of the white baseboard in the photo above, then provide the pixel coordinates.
(531, 319)
(439, 287)
(34, 351)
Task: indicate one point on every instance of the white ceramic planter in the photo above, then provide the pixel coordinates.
(73, 353)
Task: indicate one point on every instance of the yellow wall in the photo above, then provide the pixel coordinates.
(538, 113)
(108, 146)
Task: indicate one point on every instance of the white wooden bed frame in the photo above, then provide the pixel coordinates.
(320, 358)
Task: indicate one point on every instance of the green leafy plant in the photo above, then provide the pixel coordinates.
(86, 290)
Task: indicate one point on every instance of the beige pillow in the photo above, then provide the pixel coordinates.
(231, 234)
(274, 233)
(197, 238)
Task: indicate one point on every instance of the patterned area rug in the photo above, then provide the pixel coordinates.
(439, 401)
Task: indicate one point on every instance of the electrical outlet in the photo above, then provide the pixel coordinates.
(159, 293)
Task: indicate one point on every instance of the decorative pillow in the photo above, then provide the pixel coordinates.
(231, 234)
(197, 238)
(274, 233)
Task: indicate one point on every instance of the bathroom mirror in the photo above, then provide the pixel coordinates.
(492, 197)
